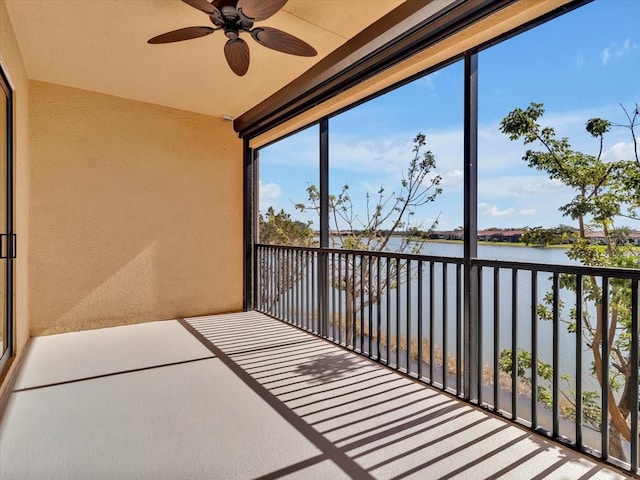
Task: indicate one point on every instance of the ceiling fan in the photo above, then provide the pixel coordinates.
(235, 17)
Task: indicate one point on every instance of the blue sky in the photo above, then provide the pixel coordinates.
(581, 65)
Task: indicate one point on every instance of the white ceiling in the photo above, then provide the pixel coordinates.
(101, 45)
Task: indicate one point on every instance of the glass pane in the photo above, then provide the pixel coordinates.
(289, 179)
(557, 177)
(594, 74)
(396, 166)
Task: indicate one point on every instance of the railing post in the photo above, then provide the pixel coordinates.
(323, 260)
(635, 305)
(471, 325)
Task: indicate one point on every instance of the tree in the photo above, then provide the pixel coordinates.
(548, 236)
(280, 229)
(387, 215)
(604, 192)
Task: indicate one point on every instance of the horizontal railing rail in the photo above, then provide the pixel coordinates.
(382, 254)
(556, 345)
(623, 273)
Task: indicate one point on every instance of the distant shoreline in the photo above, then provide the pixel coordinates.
(562, 246)
(498, 244)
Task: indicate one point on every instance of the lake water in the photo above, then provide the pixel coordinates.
(523, 308)
(501, 310)
(499, 313)
(503, 251)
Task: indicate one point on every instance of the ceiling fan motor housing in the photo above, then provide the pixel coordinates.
(232, 21)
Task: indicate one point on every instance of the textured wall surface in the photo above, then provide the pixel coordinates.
(11, 60)
(136, 212)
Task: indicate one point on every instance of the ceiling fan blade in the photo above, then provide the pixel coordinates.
(181, 34)
(282, 41)
(202, 5)
(258, 10)
(237, 53)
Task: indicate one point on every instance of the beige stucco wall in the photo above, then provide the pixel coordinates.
(12, 63)
(136, 211)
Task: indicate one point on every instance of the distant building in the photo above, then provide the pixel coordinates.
(596, 237)
(500, 235)
(447, 235)
(599, 237)
(634, 238)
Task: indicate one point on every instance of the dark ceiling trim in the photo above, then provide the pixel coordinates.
(339, 71)
(561, 10)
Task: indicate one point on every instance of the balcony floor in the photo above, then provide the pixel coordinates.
(243, 396)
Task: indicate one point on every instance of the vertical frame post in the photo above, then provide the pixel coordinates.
(323, 259)
(471, 326)
(635, 305)
(248, 227)
(7, 163)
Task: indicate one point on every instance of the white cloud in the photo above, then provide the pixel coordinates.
(452, 178)
(580, 60)
(387, 156)
(270, 191)
(530, 188)
(299, 150)
(618, 51)
(373, 156)
(507, 187)
(620, 151)
(390, 156)
(497, 154)
(493, 210)
(269, 195)
(516, 200)
(527, 184)
(428, 82)
(629, 45)
(539, 186)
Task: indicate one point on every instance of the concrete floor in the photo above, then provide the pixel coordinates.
(243, 396)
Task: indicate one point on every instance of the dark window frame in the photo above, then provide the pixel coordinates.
(9, 250)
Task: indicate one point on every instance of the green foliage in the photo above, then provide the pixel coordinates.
(280, 229)
(601, 191)
(548, 236)
(604, 191)
(592, 413)
(525, 362)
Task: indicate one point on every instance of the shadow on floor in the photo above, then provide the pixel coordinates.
(370, 421)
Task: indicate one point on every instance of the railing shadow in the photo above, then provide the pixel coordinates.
(374, 423)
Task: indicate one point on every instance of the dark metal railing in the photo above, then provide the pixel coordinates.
(557, 345)
(386, 306)
(567, 337)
